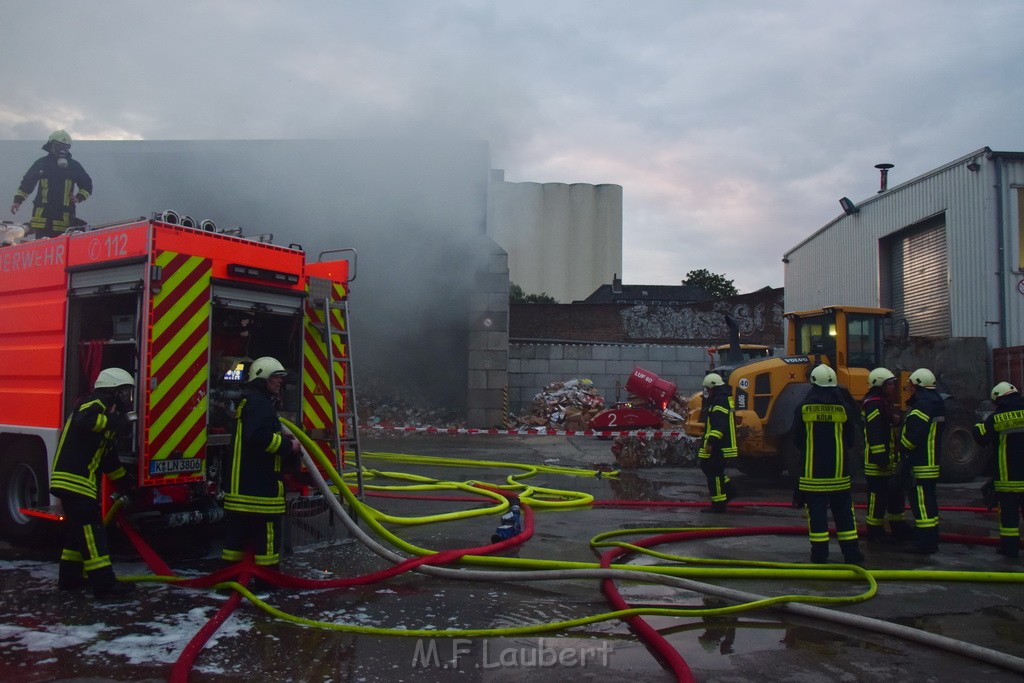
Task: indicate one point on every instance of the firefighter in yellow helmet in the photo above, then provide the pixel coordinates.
(1004, 429)
(62, 183)
(886, 500)
(88, 449)
(254, 491)
(823, 431)
(920, 451)
(719, 442)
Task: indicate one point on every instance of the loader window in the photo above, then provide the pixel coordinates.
(862, 338)
(816, 335)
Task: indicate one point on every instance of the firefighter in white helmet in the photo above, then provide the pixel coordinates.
(254, 494)
(62, 183)
(719, 442)
(1004, 429)
(823, 432)
(920, 453)
(886, 501)
(88, 449)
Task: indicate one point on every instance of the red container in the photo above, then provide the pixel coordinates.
(648, 385)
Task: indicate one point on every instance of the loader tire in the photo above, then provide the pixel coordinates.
(962, 458)
(23, 483)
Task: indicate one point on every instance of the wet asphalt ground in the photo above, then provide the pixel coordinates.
(51, 636)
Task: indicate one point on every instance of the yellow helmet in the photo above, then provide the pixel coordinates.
(265, 368)
(60, 136)
(923, 377)
(879, 376)
(1002, 389)
(111, 378)
(713, 379)
(824, 376)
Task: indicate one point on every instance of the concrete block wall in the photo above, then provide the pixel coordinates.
(488, 344)
(532, 366)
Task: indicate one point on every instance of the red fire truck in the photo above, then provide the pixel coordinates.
(184, 310)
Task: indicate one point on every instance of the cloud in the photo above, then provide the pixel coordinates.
(733, 127)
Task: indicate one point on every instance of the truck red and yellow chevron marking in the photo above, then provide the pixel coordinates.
(319, 380)
(178, 368)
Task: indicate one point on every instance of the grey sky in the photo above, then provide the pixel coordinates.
(733, 127)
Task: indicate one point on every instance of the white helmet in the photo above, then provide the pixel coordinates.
(823, 376)
(59, 136)
(713, 379)
(879, 376)
(923, 377)
(111, 378)
(1002, 389)
(265, 368)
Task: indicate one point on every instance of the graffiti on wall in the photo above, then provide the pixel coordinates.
(762, 320)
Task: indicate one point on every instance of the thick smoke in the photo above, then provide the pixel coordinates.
(415, 212)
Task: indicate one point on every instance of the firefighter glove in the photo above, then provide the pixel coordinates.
(988, 494)
(799, 498)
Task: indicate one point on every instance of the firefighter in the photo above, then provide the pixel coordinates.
(87, 448)
(719, 441)
(824, 426)
(886, 499)
(920, 443)
(254, 494)
(1005, 429)
(62, 184)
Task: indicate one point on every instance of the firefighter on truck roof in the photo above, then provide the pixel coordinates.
(254, 494)
(62, 183)
(87, 448)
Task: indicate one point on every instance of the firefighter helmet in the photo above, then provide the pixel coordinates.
(60, 136)
(712, 380)
(265, 368)
(1002, 389)
(823, 376)
(880, 376)
(923, 377)
(111, 378)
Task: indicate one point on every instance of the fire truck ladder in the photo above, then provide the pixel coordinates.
(348, 421)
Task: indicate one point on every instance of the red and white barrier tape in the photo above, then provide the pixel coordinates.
(529, 431)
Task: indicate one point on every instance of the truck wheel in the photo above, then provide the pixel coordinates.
(23, 484)
(962, 458)
(794, 460)
(767, 467)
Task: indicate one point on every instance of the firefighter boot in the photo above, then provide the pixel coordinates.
(1009, 546)
(926, 542)
(901, 530)
(851, 552)
(70, 576)
(105, 585)
(876, 534)
(730, 489)
(819, 552)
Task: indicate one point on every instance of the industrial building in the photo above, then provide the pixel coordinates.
(943, 249)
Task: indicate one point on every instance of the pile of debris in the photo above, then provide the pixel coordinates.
(636, 452)
(565, 405)
(384, 407)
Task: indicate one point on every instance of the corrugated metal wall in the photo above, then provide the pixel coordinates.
(841, 262)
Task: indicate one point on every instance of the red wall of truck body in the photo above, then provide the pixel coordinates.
(33, 299)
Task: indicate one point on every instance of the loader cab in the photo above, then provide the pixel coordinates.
(847, 338)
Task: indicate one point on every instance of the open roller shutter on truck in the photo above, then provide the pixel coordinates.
(915, 278)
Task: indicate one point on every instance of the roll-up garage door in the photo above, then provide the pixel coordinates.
(918, 282)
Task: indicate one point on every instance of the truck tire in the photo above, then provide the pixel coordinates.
(962, 458)
(23, 483)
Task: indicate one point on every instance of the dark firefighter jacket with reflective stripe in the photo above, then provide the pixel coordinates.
(1005, 428)
(254, 482)
(921, 433)
(879, 434)
(87, 448)
(822, 430)
(719, 425)
(52, 207)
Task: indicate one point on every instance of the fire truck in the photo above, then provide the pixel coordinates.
(184, 308)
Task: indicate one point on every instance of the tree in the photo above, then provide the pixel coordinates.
(516, 295)
(714, 284)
